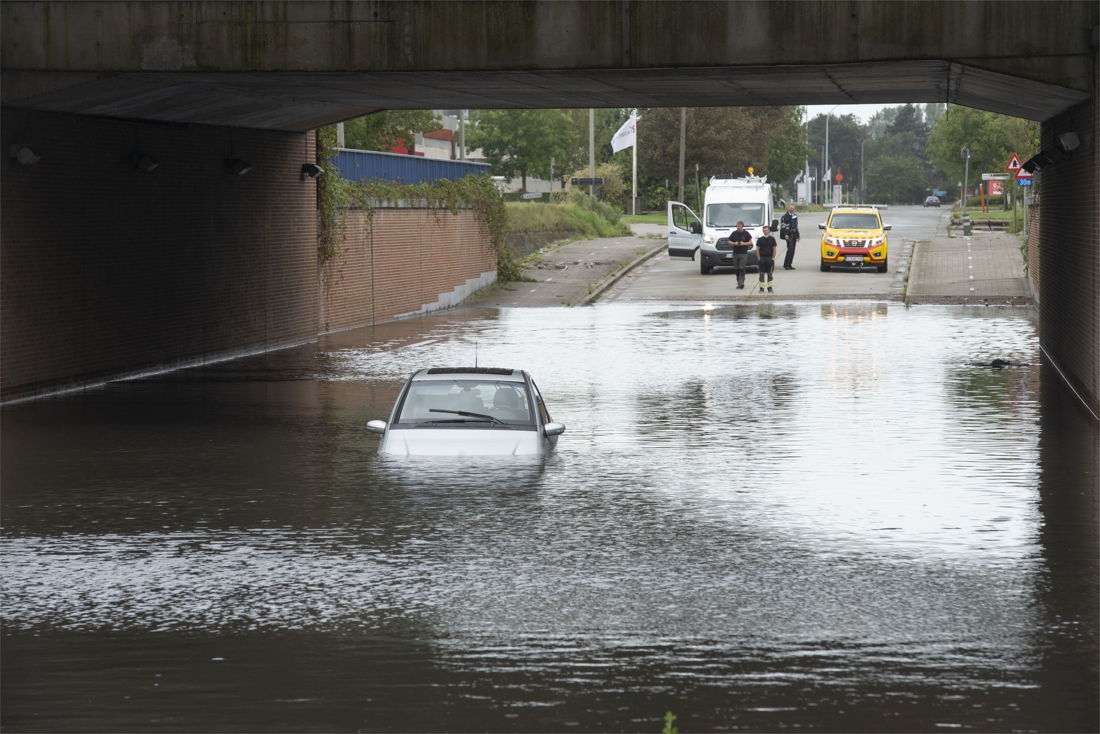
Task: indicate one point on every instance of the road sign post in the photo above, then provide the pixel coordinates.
(965, 155)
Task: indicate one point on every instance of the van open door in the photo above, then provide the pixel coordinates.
(685, 232)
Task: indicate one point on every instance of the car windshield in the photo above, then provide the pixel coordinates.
(480, 403)
(854, 221)
(729, 214)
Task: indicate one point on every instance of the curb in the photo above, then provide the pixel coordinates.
(587, 300)
(914, 279)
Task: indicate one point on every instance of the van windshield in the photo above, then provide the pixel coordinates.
(853, 221)
(729, 214)
(441, 403)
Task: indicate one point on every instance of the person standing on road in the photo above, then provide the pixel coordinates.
(741, 242)
(765, 252)
(788, 230)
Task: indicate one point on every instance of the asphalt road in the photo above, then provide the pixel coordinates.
(680, 280)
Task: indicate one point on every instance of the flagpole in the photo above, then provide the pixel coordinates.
(634, 188)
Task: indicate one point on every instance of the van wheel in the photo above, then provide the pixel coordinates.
(704, 269)
(884, 267)
(824, 266)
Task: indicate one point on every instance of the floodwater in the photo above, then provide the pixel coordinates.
(811, 516)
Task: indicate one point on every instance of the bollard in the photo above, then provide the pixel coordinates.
(966, 225)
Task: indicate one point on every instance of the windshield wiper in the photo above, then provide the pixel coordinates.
(469, 415)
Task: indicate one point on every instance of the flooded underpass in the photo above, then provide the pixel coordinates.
(762, 516)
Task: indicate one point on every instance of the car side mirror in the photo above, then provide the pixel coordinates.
(886, 227)
(821, 225)
(775, 225)
(553, 429)
(695, 228)
(376, 426)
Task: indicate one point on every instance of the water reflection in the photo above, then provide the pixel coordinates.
(762, 516)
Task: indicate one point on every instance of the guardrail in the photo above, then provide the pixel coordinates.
(365, 165)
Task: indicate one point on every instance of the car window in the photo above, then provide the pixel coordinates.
(435, 401)
(729, 214)
(854, 221)
(682, 217)
(543, 413)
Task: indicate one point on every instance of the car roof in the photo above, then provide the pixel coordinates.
(469, 373)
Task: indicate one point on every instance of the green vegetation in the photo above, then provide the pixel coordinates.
(660, 217)
(522, 142)
(336, 195)
(669, 728)
(383, 130)
(575, 213)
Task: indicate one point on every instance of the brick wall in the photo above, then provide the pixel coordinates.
(108, 271)
(1033, 264)
(404, 261)
(1069, 233)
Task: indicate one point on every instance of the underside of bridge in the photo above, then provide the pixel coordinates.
(87, 84)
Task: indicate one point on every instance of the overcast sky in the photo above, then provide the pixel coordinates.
(862, 111)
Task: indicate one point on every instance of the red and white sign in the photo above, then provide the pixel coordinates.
(1013, 163)
(1024, 174)
(996, 188)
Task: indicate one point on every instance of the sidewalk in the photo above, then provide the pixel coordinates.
(984, 268)
(567, 275)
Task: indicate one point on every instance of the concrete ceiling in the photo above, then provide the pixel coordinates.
(290, 65)
(306, 100)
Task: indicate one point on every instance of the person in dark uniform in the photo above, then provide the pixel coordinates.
(765, 252)
(788, 230)
(741, 242)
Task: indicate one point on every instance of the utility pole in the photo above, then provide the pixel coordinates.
(634, 174)
(339, 135)
(827, 116)
(592, 151)
(462, 135)
(683, 138)
(551, 177)
(698, 190)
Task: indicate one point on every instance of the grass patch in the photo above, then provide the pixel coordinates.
(651, 218)
(575, 214)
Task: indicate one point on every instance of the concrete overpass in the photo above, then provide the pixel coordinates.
(298, 65)
(281, 68)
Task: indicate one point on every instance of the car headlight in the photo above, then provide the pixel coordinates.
(876, 242)
(831, 241)
(707, 238)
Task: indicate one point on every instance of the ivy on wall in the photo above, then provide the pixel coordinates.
(336, 195)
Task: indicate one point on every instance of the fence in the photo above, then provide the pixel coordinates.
(364, 165)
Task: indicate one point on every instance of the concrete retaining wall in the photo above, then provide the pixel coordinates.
(404, 262)
(1069, 233)
(110, 271)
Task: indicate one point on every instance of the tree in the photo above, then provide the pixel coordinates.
(845, 135)
(383, 130)
(879, 121)
(523, 141)
(992, 139)
(721, 140)
(895, 180)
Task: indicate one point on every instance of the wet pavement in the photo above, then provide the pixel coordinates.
(762, 516)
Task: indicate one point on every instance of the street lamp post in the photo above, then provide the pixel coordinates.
(862, 181)
(827, 116)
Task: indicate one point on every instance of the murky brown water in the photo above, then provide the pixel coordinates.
(761, 517)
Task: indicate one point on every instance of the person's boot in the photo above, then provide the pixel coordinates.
(762, 286)
(770, 288)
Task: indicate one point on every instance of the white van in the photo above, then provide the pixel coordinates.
(728, 201)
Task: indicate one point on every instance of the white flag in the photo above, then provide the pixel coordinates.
(626, 136)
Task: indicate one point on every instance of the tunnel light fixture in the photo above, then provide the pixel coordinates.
(144, 162)
(312, 170)
(1068, 142)
(24, 155)
(237, 167)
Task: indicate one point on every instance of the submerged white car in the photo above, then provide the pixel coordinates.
(468, 411)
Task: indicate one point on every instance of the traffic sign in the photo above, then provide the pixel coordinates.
(587, 181)
(1013, 163)
(965, 153)
(939, 192)
(1022, 174)
(839, 178)
(532, 195)
(1025, 182)
(995, 176)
